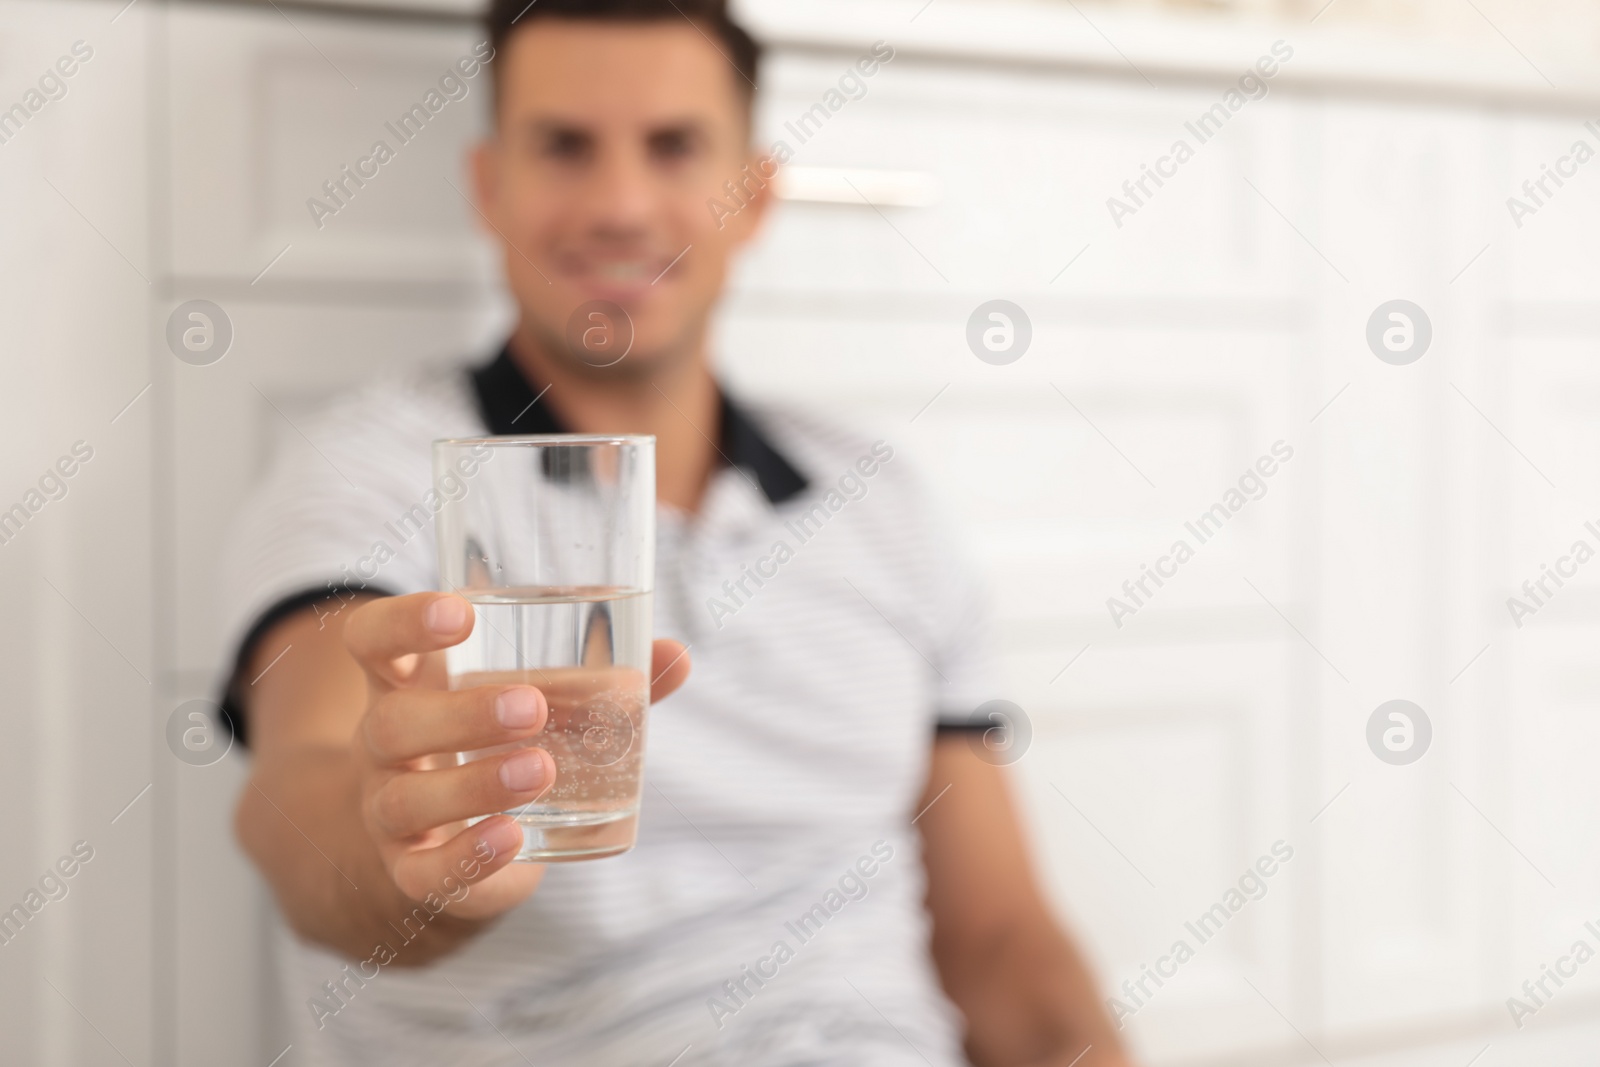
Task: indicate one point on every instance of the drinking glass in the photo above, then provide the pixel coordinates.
(551, 538)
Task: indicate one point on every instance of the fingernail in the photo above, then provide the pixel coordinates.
(522, 772)
(446, 615)
(500, 837)
(518, 708)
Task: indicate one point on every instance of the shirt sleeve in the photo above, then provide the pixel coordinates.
(346, 508)
(965, 656)
(960, 622)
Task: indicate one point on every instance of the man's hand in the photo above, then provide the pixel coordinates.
(356, 809)
(415, 800)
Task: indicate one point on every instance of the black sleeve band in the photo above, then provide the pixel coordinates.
(963, 727)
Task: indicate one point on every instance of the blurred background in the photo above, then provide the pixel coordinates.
(1176, 333)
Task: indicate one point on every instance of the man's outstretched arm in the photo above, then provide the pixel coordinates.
(1029, 999)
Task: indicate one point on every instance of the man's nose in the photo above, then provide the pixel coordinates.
(622, 197)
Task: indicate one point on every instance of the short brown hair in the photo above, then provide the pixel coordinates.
(505, 17)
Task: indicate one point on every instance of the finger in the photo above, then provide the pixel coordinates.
(407, 724)
(469, 857)
(414, 802)
(669, 666)
(387, 635)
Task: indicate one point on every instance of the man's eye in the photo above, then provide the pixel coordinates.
(565, 146)
(674, 145)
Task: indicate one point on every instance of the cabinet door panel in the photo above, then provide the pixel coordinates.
(268, 106)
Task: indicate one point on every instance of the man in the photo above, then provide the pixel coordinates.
(820, 877)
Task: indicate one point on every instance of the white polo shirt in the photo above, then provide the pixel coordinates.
(771, 912)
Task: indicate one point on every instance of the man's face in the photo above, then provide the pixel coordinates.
(611, 139)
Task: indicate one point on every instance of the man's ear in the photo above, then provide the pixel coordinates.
(749, 219)
(485, 178)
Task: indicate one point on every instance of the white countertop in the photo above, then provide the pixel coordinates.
(1161, 46)
(1170, 47)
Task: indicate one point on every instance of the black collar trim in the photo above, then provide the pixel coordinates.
(509, 405)
(506, 403)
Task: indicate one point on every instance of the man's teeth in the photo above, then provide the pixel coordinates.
(624, 272)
